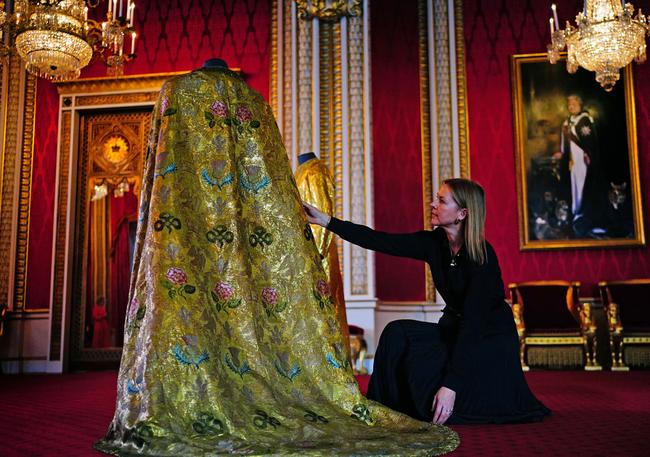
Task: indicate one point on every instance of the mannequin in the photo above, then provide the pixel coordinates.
(214, 64)
(316, 187)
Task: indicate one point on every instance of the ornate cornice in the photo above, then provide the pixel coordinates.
(328, 11)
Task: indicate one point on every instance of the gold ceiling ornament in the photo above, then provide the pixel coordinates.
(56, 39)
(606, 39)
(328, 10)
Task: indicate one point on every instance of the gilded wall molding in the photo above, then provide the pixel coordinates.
(60, 232)
(425, 133)
(461, 88)
(305, 94)
(25, 193)
(15, 181)
(356, 150)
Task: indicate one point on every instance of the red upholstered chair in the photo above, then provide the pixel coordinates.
(549, 313)
(627, 304)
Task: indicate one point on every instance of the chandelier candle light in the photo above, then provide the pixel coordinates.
(56, 39)
(606, 39)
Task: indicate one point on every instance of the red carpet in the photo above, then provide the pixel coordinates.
(595, 414)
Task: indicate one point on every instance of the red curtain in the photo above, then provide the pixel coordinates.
(123, 210)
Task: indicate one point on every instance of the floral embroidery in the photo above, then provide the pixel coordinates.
(361, 413)
(220, 234)
(207, 424)
(336, 363)
(322, 294)
(190, 355)
(231, 359)
(223, 297)
(170, 111)
(243, 113)
(134, 305)
(140, 435)
(252, 179)
(220, 183)
(176, 283)
(271, 302)
(260, 237)
(168, 169)
(167, 221)
(311, 416)
(307, 232)
(283, 367)
(262, 420)
(136, 313)
(219, 109)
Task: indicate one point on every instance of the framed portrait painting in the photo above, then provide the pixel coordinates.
(577, 158)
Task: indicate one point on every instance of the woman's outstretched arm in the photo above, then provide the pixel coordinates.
(416, 245)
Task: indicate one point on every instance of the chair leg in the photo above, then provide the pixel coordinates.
(522, 355)
(616, 342)
(590, 353)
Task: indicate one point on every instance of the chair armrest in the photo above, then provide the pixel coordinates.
(614, 318)
(518, 314)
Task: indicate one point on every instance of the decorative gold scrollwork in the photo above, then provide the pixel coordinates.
(328, 10)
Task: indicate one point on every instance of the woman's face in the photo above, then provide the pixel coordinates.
(444, 210)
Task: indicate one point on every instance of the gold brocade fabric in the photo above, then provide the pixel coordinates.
(316, 187)
(232, 345)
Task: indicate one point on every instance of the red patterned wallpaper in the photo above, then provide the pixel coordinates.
(173, 35)
(397, 157)
(43, 187)
(494, 30)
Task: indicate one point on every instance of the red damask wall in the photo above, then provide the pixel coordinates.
(494, 30)
(174, 35)
(396, 154)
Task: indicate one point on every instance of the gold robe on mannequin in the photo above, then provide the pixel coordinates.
(316, 187)
(231, 345)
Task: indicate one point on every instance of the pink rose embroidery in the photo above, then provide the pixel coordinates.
(270, 296)
(243, 114)
(224, 291)
(323, 288)
(219, 109)
(177, 276)
(133, 307)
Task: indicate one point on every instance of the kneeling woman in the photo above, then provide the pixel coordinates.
(464, 369)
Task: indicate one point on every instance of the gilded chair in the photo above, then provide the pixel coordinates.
(627, 304)
(549, 314)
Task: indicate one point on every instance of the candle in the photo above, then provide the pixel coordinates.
(132, 13)
(132, 41)
(557, 23)
(121, 8)
(550, 21)
(114, 9)
(86, 13)
(128, 10)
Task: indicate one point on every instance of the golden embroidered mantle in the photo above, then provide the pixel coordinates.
(232, 345)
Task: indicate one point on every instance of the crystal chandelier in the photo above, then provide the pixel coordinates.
(606, 39)
(56, 39)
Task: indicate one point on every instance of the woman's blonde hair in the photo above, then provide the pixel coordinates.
(470, 195)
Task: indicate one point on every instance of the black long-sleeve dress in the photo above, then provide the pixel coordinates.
(473, 349)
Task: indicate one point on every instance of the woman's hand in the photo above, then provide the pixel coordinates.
(443, 405)
(316, 216)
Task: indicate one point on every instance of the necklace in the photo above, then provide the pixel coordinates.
(453, 263)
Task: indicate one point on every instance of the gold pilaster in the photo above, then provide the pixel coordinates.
(25, 193)
(461, 90)
(425, 133)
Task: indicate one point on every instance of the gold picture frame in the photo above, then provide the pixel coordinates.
(575, 188)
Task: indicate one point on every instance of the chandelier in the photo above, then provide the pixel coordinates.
(328, 10)
(606, 39)
(56, 39)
